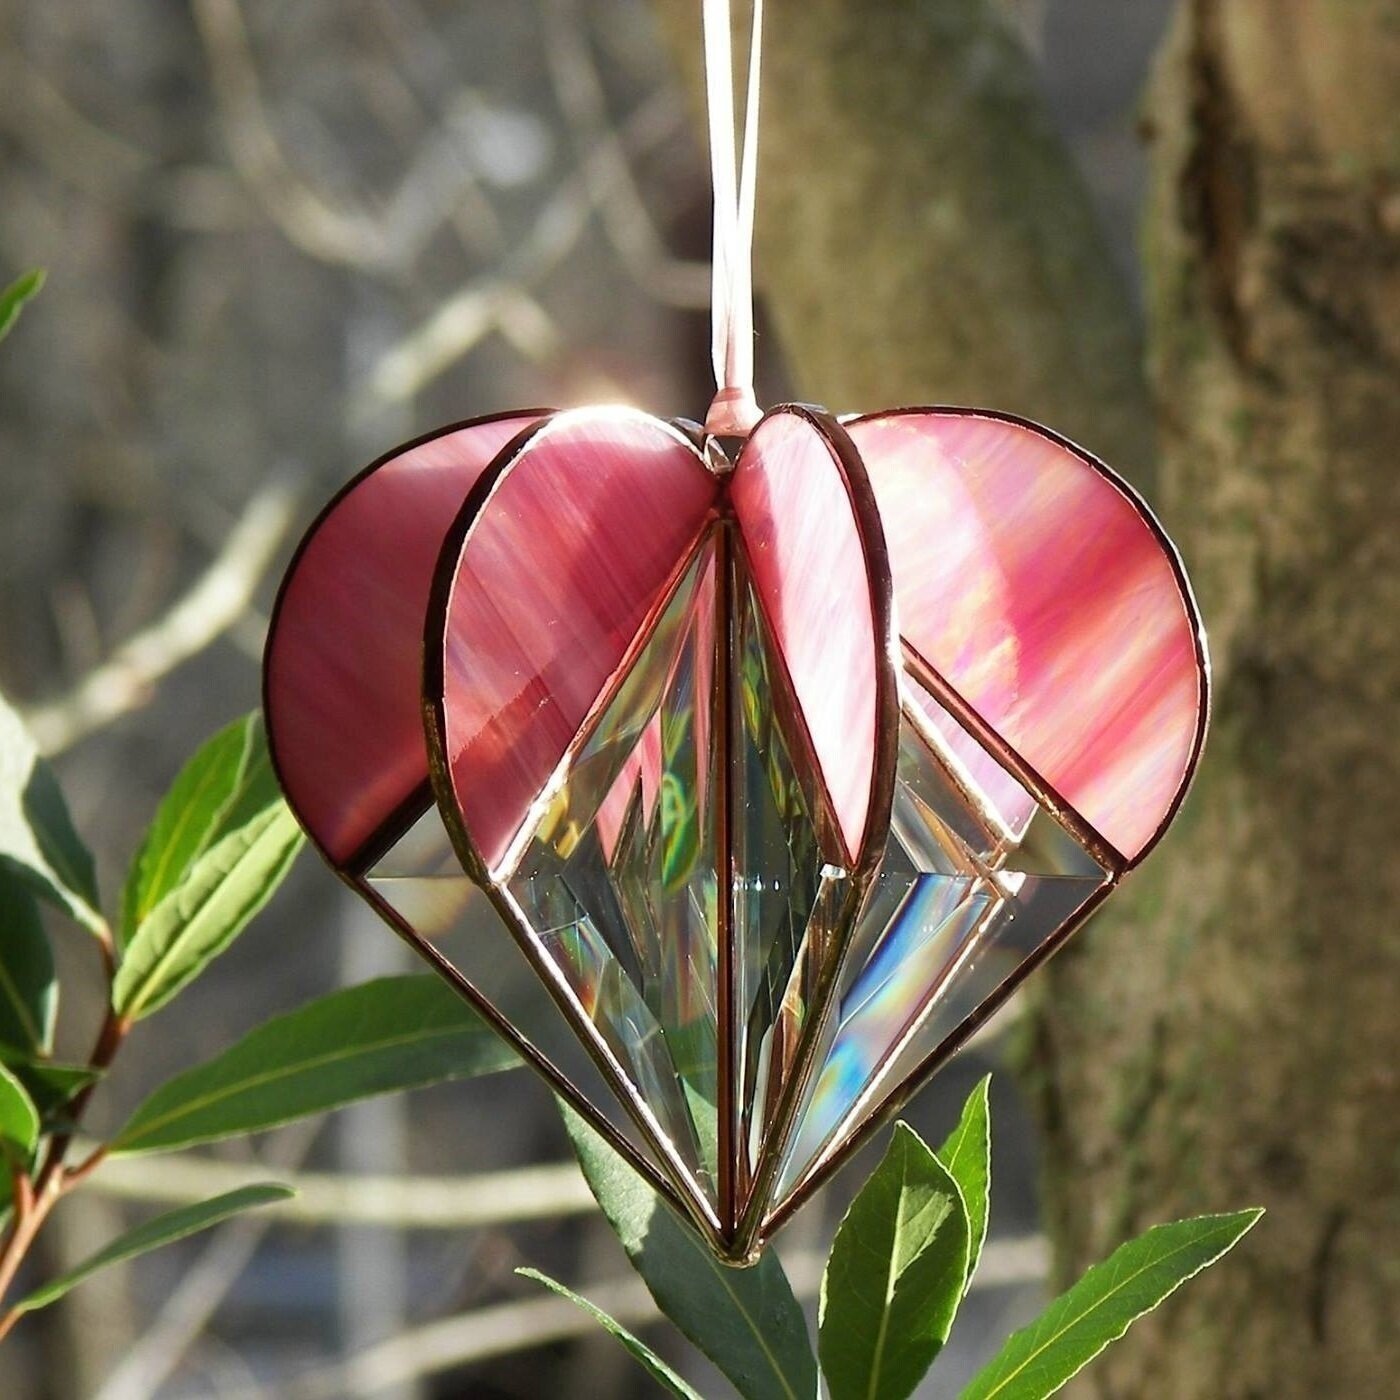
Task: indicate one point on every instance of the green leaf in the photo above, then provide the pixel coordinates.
(164, 1229)
(895, 1276)
(967, 1154)
(745, 1320)
(659, 1371)
(14, 296)
(37, 838)
(206, 911)
(28, 988)
(226, 783)
(1078, 1325)
(377, 1038)
(19, 1119)
(49, 1083)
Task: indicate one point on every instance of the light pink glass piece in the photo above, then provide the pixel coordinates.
(809, 567)
(575, 548)
(1045, 595)
(344, 655)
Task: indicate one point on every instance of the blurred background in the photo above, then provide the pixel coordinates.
(280, 239)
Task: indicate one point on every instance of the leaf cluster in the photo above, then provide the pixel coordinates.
(903, 1259)
(220, 844)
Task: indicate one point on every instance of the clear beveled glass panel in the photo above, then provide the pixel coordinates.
(970, 886)
(616, 878)
(789, 889)
(420, 878)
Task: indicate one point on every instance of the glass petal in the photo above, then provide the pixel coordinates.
(1042, 590)
(557, 573)
(809, 556)
(344, 653)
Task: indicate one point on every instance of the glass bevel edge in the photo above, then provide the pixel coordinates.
(509, 865)
(1050, 800)
(829, 1163)
(532, 1057)
(964, 783)
(726, 1013)
(796, 736)
(993, 877)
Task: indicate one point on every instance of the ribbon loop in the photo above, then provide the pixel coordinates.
(734, 410)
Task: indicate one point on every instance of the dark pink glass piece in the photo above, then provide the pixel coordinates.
(344, 655)
(1044, 593)
(560, 571)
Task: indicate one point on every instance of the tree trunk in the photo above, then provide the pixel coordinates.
(1233, 1036)
(1227, 1033)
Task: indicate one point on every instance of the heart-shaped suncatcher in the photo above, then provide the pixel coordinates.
(782, 772)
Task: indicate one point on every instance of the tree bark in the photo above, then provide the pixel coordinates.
(1228, 1032)
(1233, 1037)
(923, 234)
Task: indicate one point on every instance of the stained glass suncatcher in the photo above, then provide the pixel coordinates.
(780, 772)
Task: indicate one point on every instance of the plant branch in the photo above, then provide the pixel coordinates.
(35, 1198)
(124, 681)
(469, 315)
(185, 1313)
(533, 1322)
(602, 156)
(31, 1209)
(332, 233)
(327, 1198)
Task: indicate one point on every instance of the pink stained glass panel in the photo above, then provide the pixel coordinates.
(1041, 591)
(583, 533)
(809, 565)
(344, 655)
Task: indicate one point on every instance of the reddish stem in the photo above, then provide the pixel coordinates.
(34, 1197)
